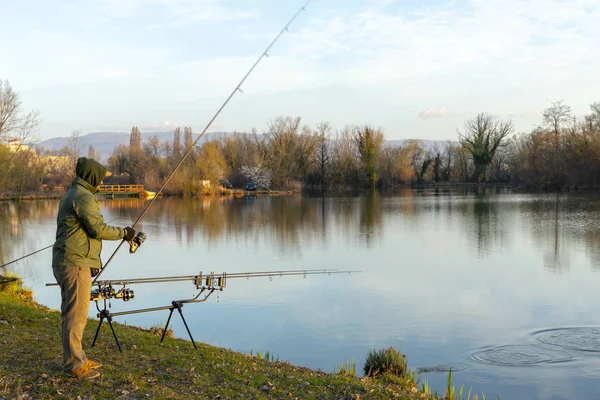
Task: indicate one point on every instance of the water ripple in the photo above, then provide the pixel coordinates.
(520, 354)
(576, 338)
(440, 368)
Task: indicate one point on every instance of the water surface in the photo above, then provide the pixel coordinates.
(503, 287)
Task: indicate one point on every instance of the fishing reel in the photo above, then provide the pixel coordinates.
(126, 294)
(103, 293)
(108, 292)
(137, 241)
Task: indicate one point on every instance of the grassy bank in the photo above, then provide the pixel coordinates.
(31, 355)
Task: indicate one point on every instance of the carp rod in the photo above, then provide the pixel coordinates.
(206, 284)
(238, 88)
(210, 278)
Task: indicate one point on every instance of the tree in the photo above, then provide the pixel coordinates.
(188, 140)
(176, 146)
(344, 157)
(369, 142)
(13, 120)
(554, 117)
(135, 139)
(92, 152)
(72, 151)
(290, 147)
(211, 165)
(482, 136)
(323, 133)
(260, 174)
(14, 123)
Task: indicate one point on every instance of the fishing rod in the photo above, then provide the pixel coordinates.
(238, 88)
(38, 251)
(206, 284)
(196, 279)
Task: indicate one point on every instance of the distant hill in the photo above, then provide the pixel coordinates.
(105, 142)
(426, 144)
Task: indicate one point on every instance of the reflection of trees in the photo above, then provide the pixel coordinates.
(484, 218)
(291, 225)
(485, 223)
(545, 215)
(555, 258)
(370, 217)
(18, 235)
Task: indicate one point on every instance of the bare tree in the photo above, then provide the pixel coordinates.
(323, 133)
(555, 117)
(73, 151)
(291, 147)
(482, 136)
(14, 123)
(13, 120)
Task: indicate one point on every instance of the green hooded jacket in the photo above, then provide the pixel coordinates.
(80, 225)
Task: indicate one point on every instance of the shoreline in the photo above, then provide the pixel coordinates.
(224, 193)
(173, 369)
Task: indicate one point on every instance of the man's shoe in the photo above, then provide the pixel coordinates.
(92, 364)
(84, 373)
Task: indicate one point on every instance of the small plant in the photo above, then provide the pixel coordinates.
(426, 389)
(389, 360)
(451, 392)
(158, 330)
(12, 283)
(346, 368)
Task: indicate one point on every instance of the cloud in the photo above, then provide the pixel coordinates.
(444, 43)
(166, 125)
(435, 112)
(178, 12)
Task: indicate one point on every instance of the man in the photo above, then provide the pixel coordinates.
(79, 234)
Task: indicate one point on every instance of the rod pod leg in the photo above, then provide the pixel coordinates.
(167, 325)
(98, 329)
(177, 305)
(106, 314)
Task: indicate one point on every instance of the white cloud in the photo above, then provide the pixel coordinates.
(504, 40)
(182, 11)
(434, 112)
(383, 64)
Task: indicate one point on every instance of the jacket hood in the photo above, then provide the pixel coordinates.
(90, 171)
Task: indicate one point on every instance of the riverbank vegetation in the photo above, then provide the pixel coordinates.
(30, 368)
(562, 152)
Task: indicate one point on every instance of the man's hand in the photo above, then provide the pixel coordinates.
(129, 234)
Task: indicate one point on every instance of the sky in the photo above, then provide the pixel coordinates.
(415, 68)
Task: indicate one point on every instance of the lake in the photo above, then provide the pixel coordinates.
(503, 287)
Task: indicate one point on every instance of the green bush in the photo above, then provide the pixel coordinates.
(389, 360)
(12, 283)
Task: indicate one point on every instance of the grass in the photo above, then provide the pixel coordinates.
(453, 394)
(31, 356)
(388, 360)
(346, 368)
(158, 331)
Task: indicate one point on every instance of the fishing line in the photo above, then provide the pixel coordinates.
(235, 90)
(38, 251)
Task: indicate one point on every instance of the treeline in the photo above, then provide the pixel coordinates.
(562, 152)
(289, 155)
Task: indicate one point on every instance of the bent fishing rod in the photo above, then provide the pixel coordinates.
(237, 89)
